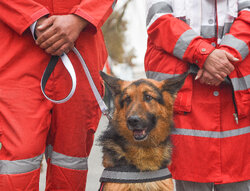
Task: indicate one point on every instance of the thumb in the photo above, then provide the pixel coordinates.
(230, 57)
(46, 23)
(199, 74)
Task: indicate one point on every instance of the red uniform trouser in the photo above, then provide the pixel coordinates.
(28, 121)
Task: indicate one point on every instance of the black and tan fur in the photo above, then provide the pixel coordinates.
(138, 134)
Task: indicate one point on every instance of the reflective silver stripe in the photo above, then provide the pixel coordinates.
(160, 7)
(183, 42)
(237, 44)
(20, 166)
(115, 175)
(211, 134)
(159, 76)
(241, 83)
(208, 31)
(58, 159)
(243, 5)
(246, 9)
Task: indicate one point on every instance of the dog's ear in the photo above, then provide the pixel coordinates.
(114, 84)
(173, 85)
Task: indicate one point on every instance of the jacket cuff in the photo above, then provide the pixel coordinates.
(203, 50)
(94, 24)
(34, 17)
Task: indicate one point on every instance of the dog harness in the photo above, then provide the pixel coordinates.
(129, 174)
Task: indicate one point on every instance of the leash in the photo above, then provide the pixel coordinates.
(48, 71)
(69, 67)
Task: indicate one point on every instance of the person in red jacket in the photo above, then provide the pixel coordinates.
(31, 124)
(211, 40)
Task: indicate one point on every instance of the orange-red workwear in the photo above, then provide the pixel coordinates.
(27, 119)
(212, 134)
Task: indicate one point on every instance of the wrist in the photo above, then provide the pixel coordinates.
(204, 49)
(82, 23)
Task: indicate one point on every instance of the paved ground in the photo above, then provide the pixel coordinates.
(95, 166)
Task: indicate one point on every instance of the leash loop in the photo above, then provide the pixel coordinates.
(49, 69)
(68, 65)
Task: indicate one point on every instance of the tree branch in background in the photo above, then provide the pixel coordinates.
(114, 34)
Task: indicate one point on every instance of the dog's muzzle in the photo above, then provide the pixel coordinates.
(138, 126)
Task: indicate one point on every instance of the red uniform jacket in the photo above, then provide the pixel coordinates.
(20, 54)
(208, 144)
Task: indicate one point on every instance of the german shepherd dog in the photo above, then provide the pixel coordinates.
(138, 134)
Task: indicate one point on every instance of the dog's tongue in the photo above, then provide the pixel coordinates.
(139, 134)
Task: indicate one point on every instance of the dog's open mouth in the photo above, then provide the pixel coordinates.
(140, 134)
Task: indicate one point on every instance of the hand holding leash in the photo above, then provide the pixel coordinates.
(57, 34)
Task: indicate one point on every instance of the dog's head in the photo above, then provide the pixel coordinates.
(143, 108)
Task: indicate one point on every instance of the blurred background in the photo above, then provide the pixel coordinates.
(126, 39)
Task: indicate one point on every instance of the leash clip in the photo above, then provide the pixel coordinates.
(236, 118)
(107, 114)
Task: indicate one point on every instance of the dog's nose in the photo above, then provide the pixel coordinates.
(133, 121)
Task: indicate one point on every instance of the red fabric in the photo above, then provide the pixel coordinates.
(241, 30)
(202, 159)
(26, 117)
(58, 179)
(8, 182)
(174, 28)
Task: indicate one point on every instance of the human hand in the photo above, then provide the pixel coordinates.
(39, 23)
(206, 78)
(58, 33)
(219, 65)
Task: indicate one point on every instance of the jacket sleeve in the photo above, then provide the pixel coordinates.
(173, 35)
(237, 41)
(94, 11)
(20, 14)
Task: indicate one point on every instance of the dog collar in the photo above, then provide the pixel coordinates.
(129, 174)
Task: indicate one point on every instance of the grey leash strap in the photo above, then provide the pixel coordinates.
(98, 97)
(49, 69)
(68, 65)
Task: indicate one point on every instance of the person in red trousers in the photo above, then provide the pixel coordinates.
(31, 124)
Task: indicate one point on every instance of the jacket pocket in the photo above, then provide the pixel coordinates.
(183, 101)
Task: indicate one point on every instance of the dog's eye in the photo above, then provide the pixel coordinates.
(127, 100)
(148, 98)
